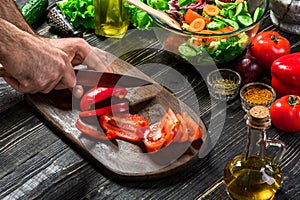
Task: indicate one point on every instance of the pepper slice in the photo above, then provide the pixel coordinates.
(94, 133)
(153, 138)
(115, 108)
(170, 126)
(97, 94)
(125, 125)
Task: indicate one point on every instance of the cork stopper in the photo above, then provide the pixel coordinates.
(260, 116)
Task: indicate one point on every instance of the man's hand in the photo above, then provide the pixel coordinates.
(80, 52)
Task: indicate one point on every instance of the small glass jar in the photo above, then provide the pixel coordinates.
(224, 84)
(256, 94)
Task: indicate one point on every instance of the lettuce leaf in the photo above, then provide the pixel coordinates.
(78, 12)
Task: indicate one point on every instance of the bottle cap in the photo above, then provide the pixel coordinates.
(259, 116)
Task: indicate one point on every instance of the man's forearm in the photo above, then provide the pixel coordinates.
(11, 13)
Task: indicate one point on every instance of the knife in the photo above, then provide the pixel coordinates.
(104, 79)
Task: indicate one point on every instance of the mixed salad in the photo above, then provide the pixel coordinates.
(199, 16)
(211, 17)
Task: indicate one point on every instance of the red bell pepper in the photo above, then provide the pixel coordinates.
(115, 108)
(92, 132)
(97, 94)
(285, 73)
(125, 125)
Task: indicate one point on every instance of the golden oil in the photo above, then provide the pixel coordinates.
(253, 178)
(253, 175)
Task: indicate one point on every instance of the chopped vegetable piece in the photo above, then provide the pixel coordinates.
(97, 94)
(211, 10)
(125, 125)
(214, 25)
(197, 25)
(239, 9)
(257, 14)
(191, 15)
(116, 108)
(92, 132)
(187, 50)
(153, 138)
(170, 126)
(244, 20)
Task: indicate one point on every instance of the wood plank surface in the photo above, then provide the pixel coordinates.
(36, 162)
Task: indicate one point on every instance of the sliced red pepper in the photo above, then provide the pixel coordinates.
(115, 108)
(97, 94)
(154, 138)
(84, 128)
(170, 126)
(181, 135)
(125, 125)
(191, 127)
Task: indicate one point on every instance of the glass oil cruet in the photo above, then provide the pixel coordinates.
(253, 174)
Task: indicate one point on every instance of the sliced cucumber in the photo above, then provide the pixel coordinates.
(257, 14)
(231, 23)
(231, 14)
(187, 50)
(215, 25)
(244, 20)
(239, 9)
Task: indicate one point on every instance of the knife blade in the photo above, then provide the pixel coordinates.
(104, 79)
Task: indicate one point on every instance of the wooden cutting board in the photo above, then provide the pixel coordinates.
(118, 158)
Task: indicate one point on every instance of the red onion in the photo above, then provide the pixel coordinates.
(248, 68)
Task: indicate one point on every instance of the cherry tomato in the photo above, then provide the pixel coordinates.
(285, 113)
(267, 46)
(125, 125)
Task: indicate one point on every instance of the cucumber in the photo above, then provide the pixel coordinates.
(215, 25)
(187, 50)
(257, 14)
(244, 20)
(239, 9)
(34, 10)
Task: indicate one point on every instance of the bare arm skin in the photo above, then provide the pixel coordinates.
(39, 64)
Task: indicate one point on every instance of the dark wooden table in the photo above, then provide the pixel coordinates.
(37, 162)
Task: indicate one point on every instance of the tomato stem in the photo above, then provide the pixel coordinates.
(274, 38)
(293, 100)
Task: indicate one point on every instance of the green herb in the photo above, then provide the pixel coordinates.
(78, 12)
(141, 19)
(184, 2)
(138, 18)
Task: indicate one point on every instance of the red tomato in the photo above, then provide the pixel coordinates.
(267, 46)
(285, 113)
(125, 126)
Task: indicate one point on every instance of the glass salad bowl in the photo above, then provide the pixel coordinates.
(224, 35)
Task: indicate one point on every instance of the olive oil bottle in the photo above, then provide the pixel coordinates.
(111, 18)
(252, 174)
